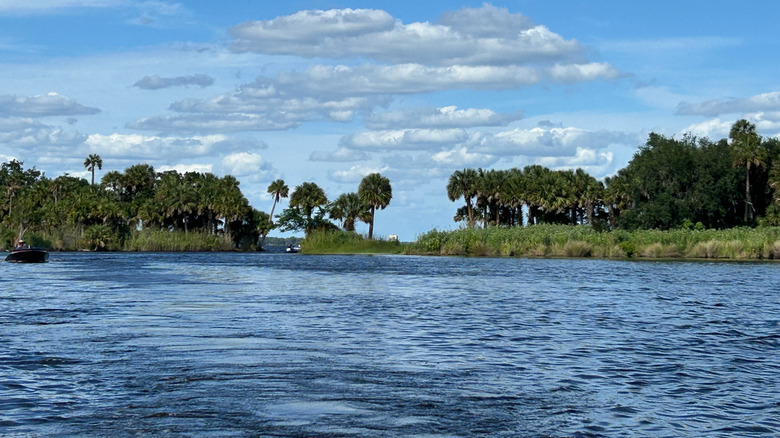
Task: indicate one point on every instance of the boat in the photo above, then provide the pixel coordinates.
(28, 255)
(293, 248)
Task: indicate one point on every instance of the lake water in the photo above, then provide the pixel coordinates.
(234, 345)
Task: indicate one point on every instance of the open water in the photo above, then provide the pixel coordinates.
(245, 345)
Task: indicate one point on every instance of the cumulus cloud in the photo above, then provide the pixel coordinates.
(256, 107)
(245, 164)
(486, 36)
(408, 139)
(156, 82)
(143, 147)
(30, 133)
(462, 157)
(710, 108)
(485, 48)
(205, 123)
(42, 105)
(551, 142)
(341, 155)
(354, 173)
(444, 117)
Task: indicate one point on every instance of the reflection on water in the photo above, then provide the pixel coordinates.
(291, 345)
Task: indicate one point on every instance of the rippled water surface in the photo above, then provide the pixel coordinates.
(289, 345)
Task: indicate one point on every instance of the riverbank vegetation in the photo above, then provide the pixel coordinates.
(144, 210)
(550, 240)
(347, 242)
(668, 184)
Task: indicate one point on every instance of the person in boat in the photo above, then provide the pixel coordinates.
(21, 245)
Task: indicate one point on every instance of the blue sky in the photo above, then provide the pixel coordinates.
(329, 91)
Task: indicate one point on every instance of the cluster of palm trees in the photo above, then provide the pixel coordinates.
(498, 197)
(309, 205)
(137, 198)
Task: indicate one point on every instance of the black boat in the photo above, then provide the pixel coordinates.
(28, 255)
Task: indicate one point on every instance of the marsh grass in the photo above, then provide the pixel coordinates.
(158, 240)
(582, 241)
(346, 242)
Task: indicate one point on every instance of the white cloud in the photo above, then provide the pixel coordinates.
(550, 142)
(339, 155)
(444, 117)
(184, 168)
(244, 164)
(584, 158)
(156, 82)
(461, 157)
(504, 39)
(713, 128)
(354, 173)
(205, 123)
(761, 102)
(143, 147)
(407, 139)
(570, 73)
(31, 133)
(42, 105)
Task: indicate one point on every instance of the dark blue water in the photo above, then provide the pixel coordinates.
(240, 345)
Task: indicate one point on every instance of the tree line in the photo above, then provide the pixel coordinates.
(68, 212)
(669, 183)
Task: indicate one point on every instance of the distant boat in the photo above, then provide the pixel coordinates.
(293, 248)
(28, 255)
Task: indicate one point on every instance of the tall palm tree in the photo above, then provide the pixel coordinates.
(278, 189)
(463, 183)
(92, 161)
(746, 150)
(375, 191)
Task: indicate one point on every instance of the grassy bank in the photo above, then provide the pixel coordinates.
(151, 240)
(101, 239)
(569, 241)
(344, 242)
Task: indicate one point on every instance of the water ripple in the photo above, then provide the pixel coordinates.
(280, 345)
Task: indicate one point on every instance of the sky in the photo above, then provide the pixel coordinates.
(330, 91)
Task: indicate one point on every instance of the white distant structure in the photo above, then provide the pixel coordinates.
(393, 238)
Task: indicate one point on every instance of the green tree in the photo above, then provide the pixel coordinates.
(376, 192)
(746, 151)
(307, 197)
(463, 184)
(348, 208)
(278, 189)
(92, 161)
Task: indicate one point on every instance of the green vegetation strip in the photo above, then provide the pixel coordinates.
(582, 241)
(347, 242)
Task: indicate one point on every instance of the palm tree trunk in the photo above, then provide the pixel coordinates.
(371, 224)
(748, 204)
(471, 212)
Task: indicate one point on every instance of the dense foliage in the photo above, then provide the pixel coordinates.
(669, 183)
(69, 213)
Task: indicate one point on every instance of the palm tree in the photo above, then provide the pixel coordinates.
(746, 150)
(375, 191)
(348, 208)
(307, 196)
(278, 189)
(91, 162)
(463, 183)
